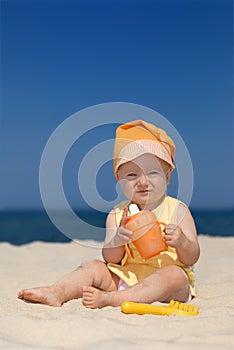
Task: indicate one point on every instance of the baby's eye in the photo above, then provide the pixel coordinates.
(132, 175)
(153, 172)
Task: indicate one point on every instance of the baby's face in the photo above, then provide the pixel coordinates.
(144, 180)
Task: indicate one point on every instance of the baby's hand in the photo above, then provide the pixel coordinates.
(123, 235)
(174, 236)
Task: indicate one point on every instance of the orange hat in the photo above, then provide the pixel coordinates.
(138, 137)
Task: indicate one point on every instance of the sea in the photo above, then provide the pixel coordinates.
(25, 226)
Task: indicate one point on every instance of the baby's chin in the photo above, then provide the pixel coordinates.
(149, 203)
(143, 203)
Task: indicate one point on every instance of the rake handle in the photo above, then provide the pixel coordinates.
(129, 307)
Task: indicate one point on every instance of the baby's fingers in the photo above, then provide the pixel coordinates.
(122, 231)
(124, 217)
(169, 229)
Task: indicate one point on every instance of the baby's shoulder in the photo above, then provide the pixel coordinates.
(172, 201)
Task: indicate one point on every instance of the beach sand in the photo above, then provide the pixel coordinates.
(33, 326)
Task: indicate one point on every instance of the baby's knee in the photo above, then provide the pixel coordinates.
(92, 264)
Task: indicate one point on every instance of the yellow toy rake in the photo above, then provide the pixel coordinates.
(175, 307)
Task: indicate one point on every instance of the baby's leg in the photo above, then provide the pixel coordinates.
(94, 273)
(167, 283)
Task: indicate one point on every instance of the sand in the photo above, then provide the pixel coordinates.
(33, 326)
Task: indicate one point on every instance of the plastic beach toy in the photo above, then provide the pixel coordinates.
(147, 232)
(175, 307)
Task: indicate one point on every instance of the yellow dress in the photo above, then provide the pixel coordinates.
(134, 269)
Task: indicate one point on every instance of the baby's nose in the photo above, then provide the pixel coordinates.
(143, 180)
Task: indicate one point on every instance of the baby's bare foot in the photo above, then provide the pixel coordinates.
(52, 296)
(94, 298)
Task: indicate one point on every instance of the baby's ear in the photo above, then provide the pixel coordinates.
(168, 176)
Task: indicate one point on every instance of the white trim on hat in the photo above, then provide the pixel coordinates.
(136, 148)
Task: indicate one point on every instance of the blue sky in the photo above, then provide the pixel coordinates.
(58, 57)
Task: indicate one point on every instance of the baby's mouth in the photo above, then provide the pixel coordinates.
(143, 191)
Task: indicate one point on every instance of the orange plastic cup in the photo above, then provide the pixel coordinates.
(147, 233)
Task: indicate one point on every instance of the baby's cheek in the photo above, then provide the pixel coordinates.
(126, 188)
(128, 191)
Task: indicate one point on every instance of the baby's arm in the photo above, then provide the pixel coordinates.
(116, 237)
(184, 237)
